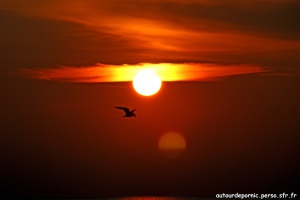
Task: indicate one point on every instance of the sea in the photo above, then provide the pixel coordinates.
(153, 198)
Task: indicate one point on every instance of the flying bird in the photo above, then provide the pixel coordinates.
(128, 113)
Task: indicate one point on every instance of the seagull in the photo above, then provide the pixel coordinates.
(128, 113)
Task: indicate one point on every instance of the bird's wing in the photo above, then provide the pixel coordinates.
(133, 110)
(126, 110)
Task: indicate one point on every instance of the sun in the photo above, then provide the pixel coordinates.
(146, 82)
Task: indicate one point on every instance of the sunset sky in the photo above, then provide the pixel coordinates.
(230, 91)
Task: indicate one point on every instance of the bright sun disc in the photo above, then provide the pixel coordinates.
(146, 82)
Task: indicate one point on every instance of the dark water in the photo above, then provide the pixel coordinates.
(156, 198)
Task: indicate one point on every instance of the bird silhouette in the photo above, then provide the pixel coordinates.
(128, 113)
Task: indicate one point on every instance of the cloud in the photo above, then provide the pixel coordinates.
(153, 31)
(125, 73)
(261, 16)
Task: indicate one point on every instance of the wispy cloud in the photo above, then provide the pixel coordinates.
(124, 73)
(83, 32)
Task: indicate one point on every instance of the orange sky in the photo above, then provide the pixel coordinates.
(230, 95)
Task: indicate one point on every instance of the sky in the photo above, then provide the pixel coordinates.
(231, 79)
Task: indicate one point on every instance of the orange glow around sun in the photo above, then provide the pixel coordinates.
(166, 72)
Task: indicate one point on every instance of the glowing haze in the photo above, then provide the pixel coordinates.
(123, 73)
